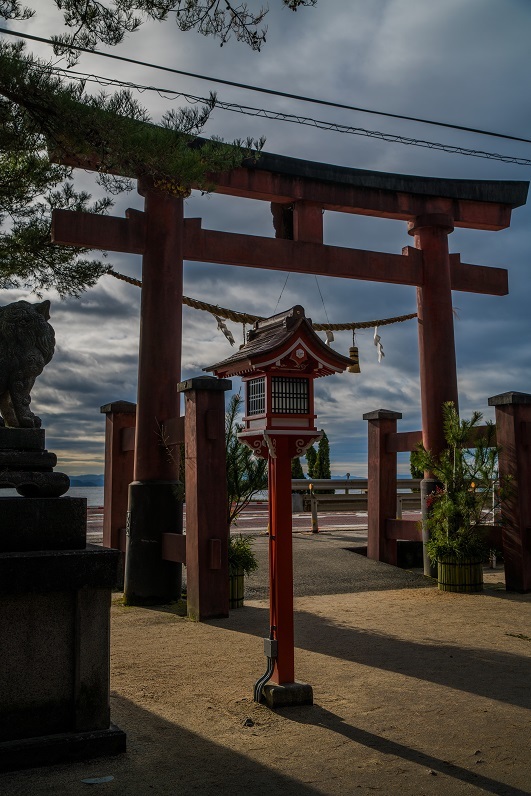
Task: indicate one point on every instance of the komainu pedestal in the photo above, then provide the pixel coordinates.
(55, 596)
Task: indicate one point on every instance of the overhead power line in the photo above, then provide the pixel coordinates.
(295, 119)
(272, 92)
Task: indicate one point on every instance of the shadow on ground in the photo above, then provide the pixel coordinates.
(320, 717)
(162, 758)
(490, 673)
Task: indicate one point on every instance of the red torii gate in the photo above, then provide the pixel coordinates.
(298, 192)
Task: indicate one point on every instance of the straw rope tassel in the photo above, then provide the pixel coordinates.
(354, 356)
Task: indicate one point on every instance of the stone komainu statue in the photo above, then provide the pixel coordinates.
(27, 343)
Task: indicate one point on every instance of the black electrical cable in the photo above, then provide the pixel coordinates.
(288, 117)
(272, 92)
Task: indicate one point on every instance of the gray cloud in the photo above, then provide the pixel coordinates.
(461, 61)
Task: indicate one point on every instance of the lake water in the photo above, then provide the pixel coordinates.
(94, 494)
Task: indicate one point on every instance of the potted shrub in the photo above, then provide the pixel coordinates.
(242, 561)
(460, 506)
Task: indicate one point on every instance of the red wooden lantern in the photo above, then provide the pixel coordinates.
(278, 364)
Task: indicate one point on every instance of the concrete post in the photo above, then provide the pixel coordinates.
(206, 497)
(513, 434)
(382, 485)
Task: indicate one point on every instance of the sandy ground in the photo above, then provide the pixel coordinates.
(416, 692)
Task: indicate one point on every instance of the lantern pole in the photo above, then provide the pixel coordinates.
(279, 362)
(279, 648)
(281, 562)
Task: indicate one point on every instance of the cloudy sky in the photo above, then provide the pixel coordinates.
(464, 62)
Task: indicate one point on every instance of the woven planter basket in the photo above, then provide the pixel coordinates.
(464, 575)
(236, 589)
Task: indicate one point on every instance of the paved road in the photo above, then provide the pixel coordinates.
(323, 563)
(253, 521)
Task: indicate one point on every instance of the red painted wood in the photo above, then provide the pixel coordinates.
(216, 550)
(207, 571)
(281, 561)
(110, 233)
(118, 475)
(408, 530)
(515, 464)
(173, 430)
(382, 474)
(408, 440)
(402, 441)
(307, 222)
(159, 365)
(438, 375)
(278, 254)
(282, 188)
(174, 547)
(128, 439)
(478, 278)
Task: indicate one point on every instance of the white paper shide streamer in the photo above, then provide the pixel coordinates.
(222, 326)
(378, 344)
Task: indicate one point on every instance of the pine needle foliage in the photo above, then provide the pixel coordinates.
(296, 468)
(40, 113)
(241, 555)
(297, 472)
(322, 462)
(311, 459)
(246, 475)
(463, 501)
(94, 22)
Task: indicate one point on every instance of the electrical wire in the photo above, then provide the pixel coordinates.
(295, 119)
(272, 92)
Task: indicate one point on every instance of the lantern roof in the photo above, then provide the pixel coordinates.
(286, 341)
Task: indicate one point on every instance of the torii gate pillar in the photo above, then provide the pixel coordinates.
(154, 507)
(438, 372)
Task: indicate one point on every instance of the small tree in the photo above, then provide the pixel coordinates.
(415, 466)
(297, 472)
(463, 502)
(296, 468)
(246, 475)
(311, 459)
(322, 462)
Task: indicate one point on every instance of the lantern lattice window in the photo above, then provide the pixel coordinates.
(256, 396)
(290, 396)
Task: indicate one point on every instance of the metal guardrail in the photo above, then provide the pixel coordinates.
(352, 495)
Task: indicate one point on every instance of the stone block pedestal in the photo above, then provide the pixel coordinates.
(287, 695)
(55, 596)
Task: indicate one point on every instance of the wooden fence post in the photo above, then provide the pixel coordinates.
(120, 415)
(382, 485)
(207, 573)
(513, 435)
